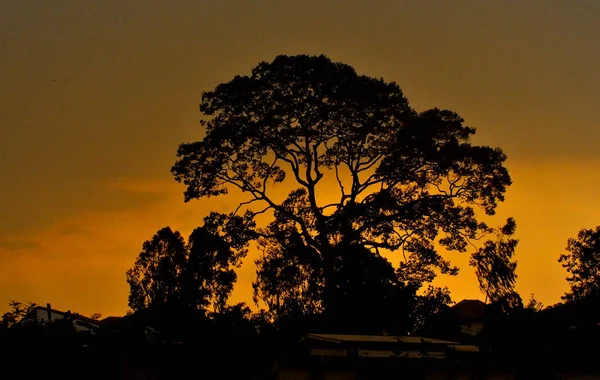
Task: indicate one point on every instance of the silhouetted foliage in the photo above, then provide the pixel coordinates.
(431, 303)
(172, 274)
(18, 313)
(40, 348)
(582, 261)
(288, 275)
(495, 267)
(371, 295)
(154, 279)
(533, 304)
(406, 179)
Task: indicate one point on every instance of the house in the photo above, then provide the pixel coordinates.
(382, 346)
(353, 357)
(370, 356)
(462, 322)
(470, 315)
(80, 323)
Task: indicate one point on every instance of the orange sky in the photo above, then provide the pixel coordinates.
(96, 96)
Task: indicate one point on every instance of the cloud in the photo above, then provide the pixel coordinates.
(80, 259)
(31, 213)
(72, 230)
(18, 244)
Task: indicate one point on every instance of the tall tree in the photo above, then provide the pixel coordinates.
(194, 275)
(582, 261)
(154, 278)
(496, 269)
(405, 179)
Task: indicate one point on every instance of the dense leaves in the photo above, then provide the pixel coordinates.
(154, 279)
(404, 179)
(193, 275)
(582, 261)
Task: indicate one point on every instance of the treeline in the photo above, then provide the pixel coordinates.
(370, 174)
(160, 344)
(153, 344)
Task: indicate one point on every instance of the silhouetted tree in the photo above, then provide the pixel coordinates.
(495, 267)
(582, 261)
(405, 179)
(170, 273)
(155, 276)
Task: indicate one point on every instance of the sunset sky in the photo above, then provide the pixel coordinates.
(95, 97)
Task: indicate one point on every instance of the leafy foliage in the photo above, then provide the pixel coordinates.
(289, 276)
(370, 295)
(405, 179)
(154, 279)
(194, 275)
(533, 304)
(19, 312)
(495, 267)
(582, 261)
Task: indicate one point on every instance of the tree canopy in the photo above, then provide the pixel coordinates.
(194, 275)
(405, 181)
(582, 262)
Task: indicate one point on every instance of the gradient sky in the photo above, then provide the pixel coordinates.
(95, 97)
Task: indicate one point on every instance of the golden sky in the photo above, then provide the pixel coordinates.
(95, 97)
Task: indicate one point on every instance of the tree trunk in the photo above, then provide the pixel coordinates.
(329, 292)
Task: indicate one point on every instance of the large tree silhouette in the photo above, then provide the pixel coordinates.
(405, 180)
(582, 261)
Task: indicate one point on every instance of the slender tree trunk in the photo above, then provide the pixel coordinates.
(329, 298)
(329, 292)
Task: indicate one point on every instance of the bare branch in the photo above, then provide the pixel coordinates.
(316, 160)
(340, 183)
(368, 164)
(294, 165)
(262, 211)
(244, 204)
(264, 184)
(329, 205)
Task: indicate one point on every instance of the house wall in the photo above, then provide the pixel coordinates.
(340, 374)
(303, 374)
(79, 325)
(472, 328)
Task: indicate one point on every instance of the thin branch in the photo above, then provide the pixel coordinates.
(264, 184)
(340, 183)
(293, 162)
(368, 164)
(244, 204)
(262, 211)
(396, 215)
(261, 195)
(316, 161)
(329, 205)
(379, 244)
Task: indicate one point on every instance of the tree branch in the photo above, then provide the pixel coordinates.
(244, 204)
(340, 183)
